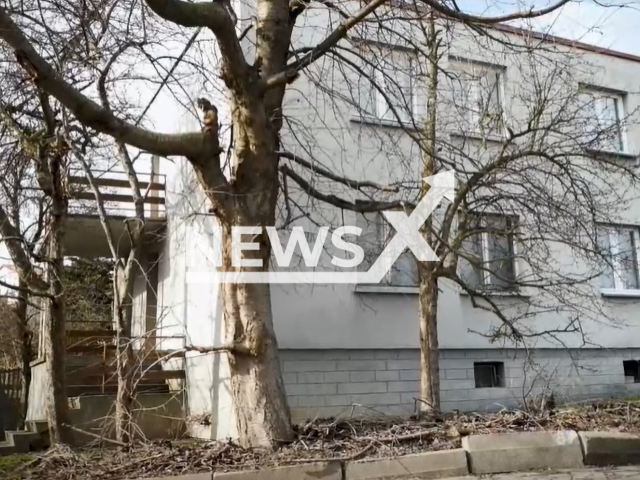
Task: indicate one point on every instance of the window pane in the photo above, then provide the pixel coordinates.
(366, 93)
(395, 79)
(489, 374)
(470, 268)
(500, 251)
(490, 117)
(602, 120)
(370, 239)
(376, 234)
(606, 280)
(607, 110)
(462, 99)
(404, 272)
(627, 259)
(495, 266)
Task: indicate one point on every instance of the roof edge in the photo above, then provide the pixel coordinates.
(547, 37)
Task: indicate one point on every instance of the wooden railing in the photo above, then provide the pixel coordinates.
(116, 194)
(11, 384)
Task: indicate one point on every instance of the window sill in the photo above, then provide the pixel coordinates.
(610, 153)
(472, 136)
(386, 289)
(381, 122)
(613, 293)
(37, 361)
(498, 293)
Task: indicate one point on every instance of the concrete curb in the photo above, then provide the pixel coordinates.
(446, 463)
(193, 476)
(511, 452)
(309, 471)
(480, 454)
(610, 448)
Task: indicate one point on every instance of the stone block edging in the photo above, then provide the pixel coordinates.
(512, 452)
(481, 454)
(445, 463)
(610, 448)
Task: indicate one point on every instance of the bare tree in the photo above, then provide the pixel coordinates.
(539, 178)
(256, 87)
(27, 210)
(35, 138)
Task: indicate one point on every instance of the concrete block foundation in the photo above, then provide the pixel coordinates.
(382, 382)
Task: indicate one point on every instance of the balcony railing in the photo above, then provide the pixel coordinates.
(116, 194)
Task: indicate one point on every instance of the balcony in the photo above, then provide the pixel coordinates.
(85, 235)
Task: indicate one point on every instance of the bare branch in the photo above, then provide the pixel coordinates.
(91, 114)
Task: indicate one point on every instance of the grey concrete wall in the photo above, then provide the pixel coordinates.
(156, 416)
(37, 408)
(342, 382)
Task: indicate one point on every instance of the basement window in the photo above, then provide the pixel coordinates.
(489, 374)
(631, 371)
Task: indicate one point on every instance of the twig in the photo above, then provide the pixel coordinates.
(402, 438)
(95, 435)
(337, 459)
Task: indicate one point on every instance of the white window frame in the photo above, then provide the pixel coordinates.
(380, 113)
(376, 244)
(475, 69)
(386, 232)
(618, 284)
(597, 94)
(486, 254)
(475, 119)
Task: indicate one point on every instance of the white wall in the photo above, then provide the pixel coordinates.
(339, 317)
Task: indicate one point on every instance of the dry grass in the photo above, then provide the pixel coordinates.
(342, 439)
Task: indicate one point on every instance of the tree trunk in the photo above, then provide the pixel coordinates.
(262, 413)
(25, 349)
(429, 350)
(123, 312)
(55, 336)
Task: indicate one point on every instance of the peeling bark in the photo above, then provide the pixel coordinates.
(429, 349)
(25, 348)
(262, 412)
(54, 332)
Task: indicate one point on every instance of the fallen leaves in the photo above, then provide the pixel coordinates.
(342, 439)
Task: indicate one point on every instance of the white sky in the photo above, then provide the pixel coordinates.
(613, 24)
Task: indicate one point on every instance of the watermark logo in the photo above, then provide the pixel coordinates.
(407, 228)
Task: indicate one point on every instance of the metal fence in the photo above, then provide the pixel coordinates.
(11, 383)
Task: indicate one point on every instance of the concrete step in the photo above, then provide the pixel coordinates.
(25, 440)
(94, 362)
(91, 333)
(8, 448)
(22, 441)
(110, 389)
(99, 349)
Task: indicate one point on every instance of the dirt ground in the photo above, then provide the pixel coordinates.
(342, 439)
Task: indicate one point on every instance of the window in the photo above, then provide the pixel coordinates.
(489, 249)
(603, 115)
(477, 97)
(376, 234)
(621, 248)
(392, 72)
(489, 374)
(631, 371)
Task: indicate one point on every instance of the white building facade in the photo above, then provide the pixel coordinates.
(352, 348)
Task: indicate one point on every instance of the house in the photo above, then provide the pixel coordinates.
(353, 348)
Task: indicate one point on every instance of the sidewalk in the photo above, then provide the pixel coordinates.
(626, 473)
